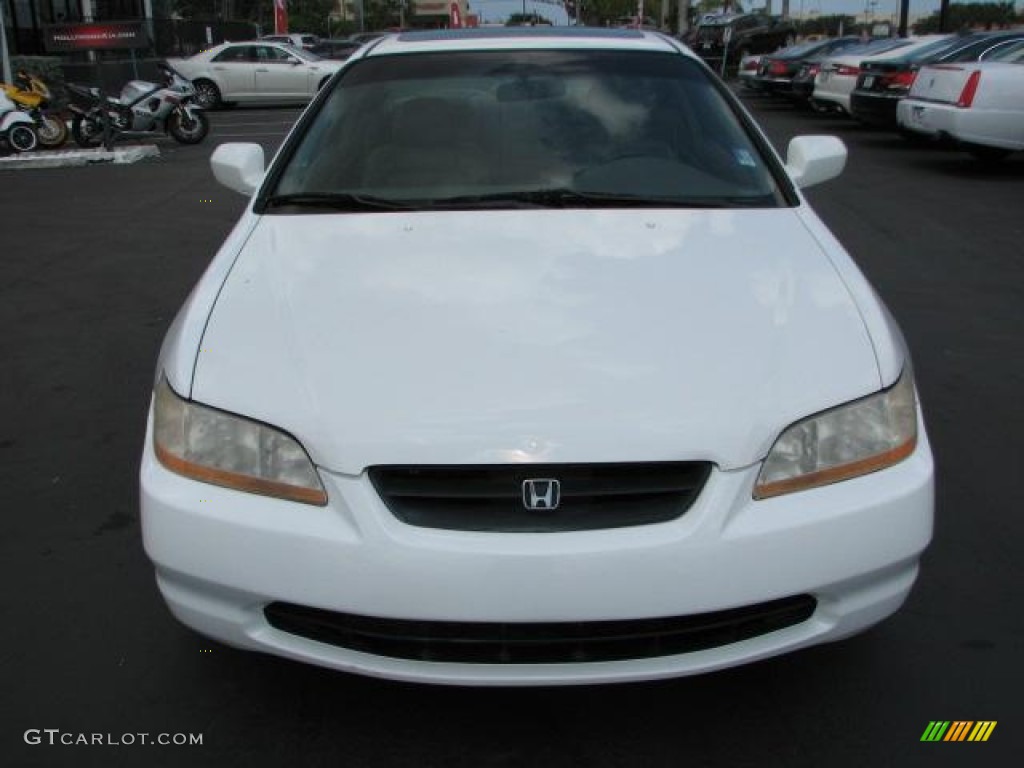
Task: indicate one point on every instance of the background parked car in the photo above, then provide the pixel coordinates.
(364, 37)
(979, 104)
(777, 70)
(298, 39)
(883, 83)
(747, 71)
(255, 72)
(838, 76)
(802, 87)
(751, 33)
(338, 50)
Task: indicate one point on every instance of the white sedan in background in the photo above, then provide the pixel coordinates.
(255, 72)
(980, 104)
(837, 77)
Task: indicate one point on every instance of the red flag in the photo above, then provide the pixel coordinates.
(455, 16)
(280, 17)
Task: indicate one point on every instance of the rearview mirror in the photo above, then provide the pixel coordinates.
(238, 166)
(811, 160)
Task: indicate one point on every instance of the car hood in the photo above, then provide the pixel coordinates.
(536, 336)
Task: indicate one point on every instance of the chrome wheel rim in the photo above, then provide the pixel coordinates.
(206, 94)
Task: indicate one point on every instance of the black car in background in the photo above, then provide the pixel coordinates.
(776, 71)
(747, 33)
(882, 84)
(803, 82)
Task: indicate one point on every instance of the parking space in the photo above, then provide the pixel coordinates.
(95, 263)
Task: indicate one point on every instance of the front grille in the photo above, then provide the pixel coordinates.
(491, 497)
(548, 643)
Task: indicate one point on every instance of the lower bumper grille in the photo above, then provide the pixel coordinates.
(547, 643)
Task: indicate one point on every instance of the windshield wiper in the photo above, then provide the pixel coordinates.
(335, 201)
(564, 197)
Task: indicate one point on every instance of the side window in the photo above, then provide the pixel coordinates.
(231, 55)
(277, 56)
(268, 54)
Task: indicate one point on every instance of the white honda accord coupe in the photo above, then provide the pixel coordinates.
(528, 363)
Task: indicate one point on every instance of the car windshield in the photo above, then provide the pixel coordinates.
(524, 129)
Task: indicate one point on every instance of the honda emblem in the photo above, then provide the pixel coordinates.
(541, 494)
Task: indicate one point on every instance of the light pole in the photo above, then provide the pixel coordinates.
(4, 58)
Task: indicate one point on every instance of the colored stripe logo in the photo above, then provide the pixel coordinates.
(959, 730)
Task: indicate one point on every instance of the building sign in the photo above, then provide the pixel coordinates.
(98, 36)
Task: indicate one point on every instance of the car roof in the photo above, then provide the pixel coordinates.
(521, 38)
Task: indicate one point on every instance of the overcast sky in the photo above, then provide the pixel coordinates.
(499, 10)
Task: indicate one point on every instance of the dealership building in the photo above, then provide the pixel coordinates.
(30, 23)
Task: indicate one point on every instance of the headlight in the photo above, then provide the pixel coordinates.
(852, 440)
(216, 447)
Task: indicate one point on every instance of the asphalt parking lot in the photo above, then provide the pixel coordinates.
(95, 262)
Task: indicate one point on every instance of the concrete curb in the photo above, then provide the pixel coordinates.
(73, 157)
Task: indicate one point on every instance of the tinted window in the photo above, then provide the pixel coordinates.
(432, 127)
(271, 54)
(235, 53)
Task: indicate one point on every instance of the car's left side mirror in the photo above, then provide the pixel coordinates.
(811, 160)
(238, 166)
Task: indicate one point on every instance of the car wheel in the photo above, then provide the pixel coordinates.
(207, 94)
(987, 154)
(322, 83)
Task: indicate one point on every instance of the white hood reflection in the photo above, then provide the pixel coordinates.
(555, 336)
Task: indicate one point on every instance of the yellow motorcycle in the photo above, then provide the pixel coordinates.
(31, 95)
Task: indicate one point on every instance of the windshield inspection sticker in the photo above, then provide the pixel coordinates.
(743, 158)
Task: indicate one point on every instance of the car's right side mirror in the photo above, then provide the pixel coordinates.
(238, 166)
(811, 160)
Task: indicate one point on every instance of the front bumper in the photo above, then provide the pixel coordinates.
(222, 557)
